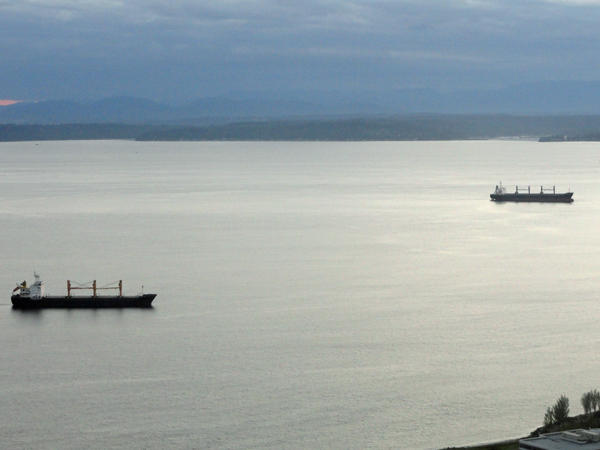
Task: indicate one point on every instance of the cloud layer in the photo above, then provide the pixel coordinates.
(184, 48)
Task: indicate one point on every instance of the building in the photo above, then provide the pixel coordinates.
(564, 440)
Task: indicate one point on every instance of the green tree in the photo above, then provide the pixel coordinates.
(560, 410)
(588, 401)
(549, 416)
(595, 399)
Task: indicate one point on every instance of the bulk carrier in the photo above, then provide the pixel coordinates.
(33, 297)
(522, 194)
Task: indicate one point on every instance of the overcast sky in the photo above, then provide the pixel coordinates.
(184, 49)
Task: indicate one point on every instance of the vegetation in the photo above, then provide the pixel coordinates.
(392, 128)
(399, 128)
(557, 413)
(590, 401)
(556, 418)
(591, 420)
(549, 416)
(70, 132)
(587, 137)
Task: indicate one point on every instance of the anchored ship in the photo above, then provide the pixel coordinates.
(33, 297)
(525, 194)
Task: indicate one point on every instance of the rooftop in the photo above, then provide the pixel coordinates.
(564, 440)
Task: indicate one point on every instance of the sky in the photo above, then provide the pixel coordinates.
(180, 50)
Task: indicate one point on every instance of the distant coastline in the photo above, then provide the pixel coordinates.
(591, 137)
(393, 128)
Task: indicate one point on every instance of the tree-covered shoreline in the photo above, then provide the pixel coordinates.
(393, 128)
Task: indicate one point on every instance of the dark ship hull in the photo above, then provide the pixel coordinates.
(566, 197)
(136, 301)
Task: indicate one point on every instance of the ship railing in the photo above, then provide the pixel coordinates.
(543, 189)
(94, 287)
(520, 189)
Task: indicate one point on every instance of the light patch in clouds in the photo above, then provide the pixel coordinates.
(358, 53)
(63, 10)
(437, 56)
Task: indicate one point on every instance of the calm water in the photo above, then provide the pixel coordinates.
(310, 295)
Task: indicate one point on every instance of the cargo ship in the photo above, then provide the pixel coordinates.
(33, 297)
(522, 194)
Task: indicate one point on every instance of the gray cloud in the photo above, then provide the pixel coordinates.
(186, 48)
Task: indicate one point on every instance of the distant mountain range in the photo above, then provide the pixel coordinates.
(542, 98)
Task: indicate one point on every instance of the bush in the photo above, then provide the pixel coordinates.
(590, 401)
(595, 399)
(586, 401)
(549, 417)
(560, 410)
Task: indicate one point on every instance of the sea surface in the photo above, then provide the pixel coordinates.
(310, 295)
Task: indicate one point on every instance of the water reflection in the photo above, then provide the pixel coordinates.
(27, 313)
(37, 314)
